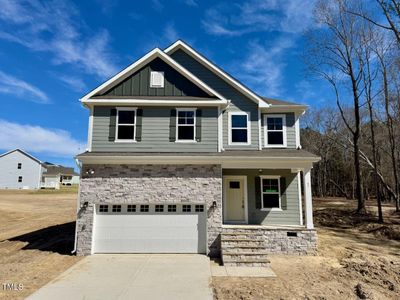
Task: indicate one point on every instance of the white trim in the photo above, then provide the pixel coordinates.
(152, 75)
(179, 44)
(134, 109)
(220, 130)
(297, 130)
(142, 61)
(285, 108)
(177, 140)
(245, 200)
(248, 128)
(259, 130)
(283, 116)
(90, 129)
(154, 102)
(272, 193)
(300, 197)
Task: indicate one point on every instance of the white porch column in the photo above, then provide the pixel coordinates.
(308, 198)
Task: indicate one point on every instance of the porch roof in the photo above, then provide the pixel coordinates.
(267, 158)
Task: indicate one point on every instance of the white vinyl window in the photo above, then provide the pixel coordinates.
(239, 128)
(270, 192)
(156, 79)
(185, 125)
(275, 131)
(125, 129)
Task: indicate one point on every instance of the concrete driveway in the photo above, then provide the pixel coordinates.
(133, 276)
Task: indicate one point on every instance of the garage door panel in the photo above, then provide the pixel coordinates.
(152, 232)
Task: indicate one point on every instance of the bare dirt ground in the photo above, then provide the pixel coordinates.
(357, 259)
(36, 238)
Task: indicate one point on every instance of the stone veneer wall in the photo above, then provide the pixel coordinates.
(276, 240)
(124, 184)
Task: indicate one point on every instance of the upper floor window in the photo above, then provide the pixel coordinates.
(156, 79)
(239, 128)
(275, 131)
(185, 125)
(270, 192)
(19, 166)
(19, 178)
(126, 125)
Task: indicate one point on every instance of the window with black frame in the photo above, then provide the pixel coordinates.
(270, 190)
(126, 122)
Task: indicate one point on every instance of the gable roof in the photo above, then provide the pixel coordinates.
(216, 70)
(24, 153)
(140, 63)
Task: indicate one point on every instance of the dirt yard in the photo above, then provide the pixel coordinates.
(358, 259)
(36, 238)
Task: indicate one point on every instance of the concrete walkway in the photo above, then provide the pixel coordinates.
(133, 276)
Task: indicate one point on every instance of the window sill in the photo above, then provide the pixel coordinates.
(186, 142)
(125, 141)
(272, 209)
(275, 146)
(239, 144)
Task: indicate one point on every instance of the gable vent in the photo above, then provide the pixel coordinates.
(156, 79)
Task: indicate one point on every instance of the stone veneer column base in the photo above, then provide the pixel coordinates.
(141, 184)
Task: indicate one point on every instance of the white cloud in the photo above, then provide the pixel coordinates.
(263, 67)
(75, 83)
(157, 5)
(56, 27)
(54, 142)
(232, 19)
(170, 33)
(191, 2)
(15, 86)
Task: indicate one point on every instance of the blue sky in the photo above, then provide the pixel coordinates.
(54, 52)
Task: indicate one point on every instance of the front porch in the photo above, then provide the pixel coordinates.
(264, 213)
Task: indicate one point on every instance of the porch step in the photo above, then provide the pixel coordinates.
(243, 247)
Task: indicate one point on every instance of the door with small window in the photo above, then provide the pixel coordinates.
(235, 202)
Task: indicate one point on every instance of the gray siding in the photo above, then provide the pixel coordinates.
(239, 102)
(155, 132)
(138, 84)
(288, 216)
(290, 129)
(31, 171)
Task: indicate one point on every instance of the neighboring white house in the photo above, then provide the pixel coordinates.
(57, 175)
(20, 170)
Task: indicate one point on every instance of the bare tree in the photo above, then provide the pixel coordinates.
(334, 55)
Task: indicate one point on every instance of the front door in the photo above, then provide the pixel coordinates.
(235, 200)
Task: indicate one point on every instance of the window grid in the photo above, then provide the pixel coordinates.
(199, 208)
(275, 128)
(103, 208)
(236, 129)
(116, 208)
(144, 208)
(172, 208)
(186, 208)
(131, 208)
(124, 125)
(270, 186)
(185, 118)
(159, 208)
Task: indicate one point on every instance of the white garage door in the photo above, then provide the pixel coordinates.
(155, 228)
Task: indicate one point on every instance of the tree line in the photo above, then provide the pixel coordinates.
(356, 49)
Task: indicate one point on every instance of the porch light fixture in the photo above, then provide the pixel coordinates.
(90, 172)
(85, 204)
(260, 170)
(214, 204)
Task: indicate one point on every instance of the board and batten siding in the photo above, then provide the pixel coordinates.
(155, 132)
(290, 214)
(31, 171)
(239, 102)
(290, 129)
(138, 84)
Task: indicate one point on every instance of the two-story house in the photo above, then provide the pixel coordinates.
(183, 158)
